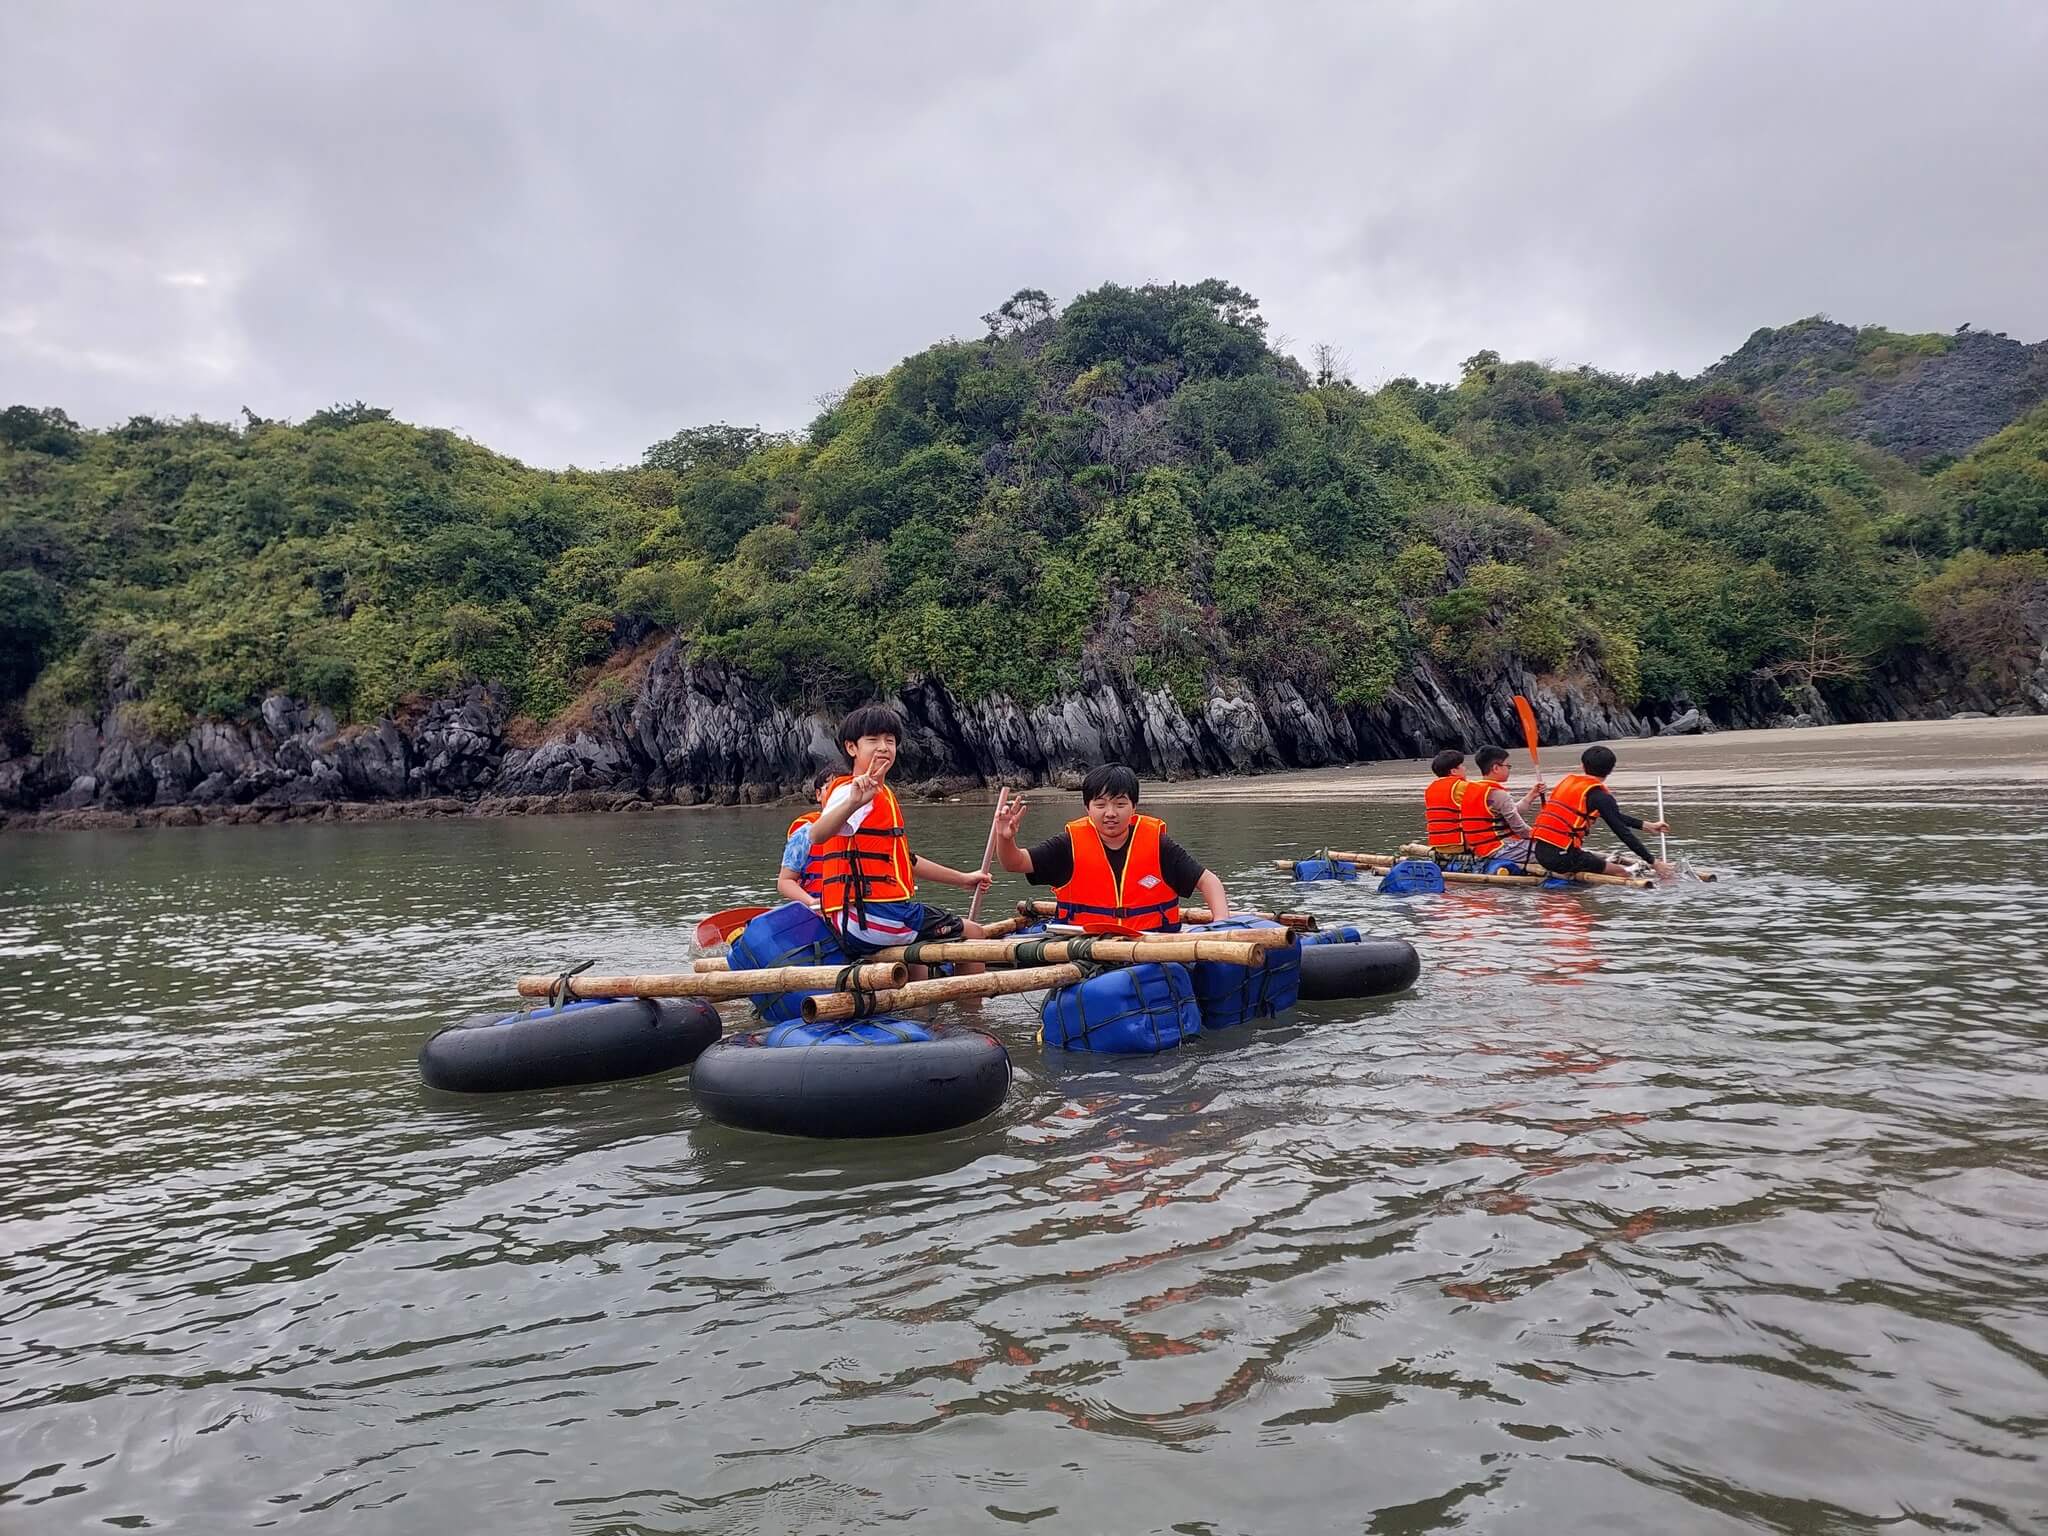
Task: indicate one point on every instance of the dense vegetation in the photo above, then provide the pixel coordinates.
(1139, 474)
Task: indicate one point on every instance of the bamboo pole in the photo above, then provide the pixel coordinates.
(943, 989)
(1002, 928)
(1300, 922)
(788, 978)
(988, 853)
(1378, 863)
(1169, 949)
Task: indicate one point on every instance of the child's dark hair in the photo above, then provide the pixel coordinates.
(1490, 756)
(1598, 761)
(870, 720)
(1445, 761)
(1111, 780)
(821, 778)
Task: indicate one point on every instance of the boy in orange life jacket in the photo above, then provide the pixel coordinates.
(802, 877)
(870, 874)
(1441, 821)
(1559, 836)
(1113, 867)
(1493, 818)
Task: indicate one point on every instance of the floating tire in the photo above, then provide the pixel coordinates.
(878, 1077)
(598, 1041)
(1369, 968)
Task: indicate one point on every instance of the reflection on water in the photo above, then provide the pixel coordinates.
(1710, 1208)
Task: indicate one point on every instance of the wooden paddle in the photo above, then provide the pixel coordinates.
(1528, 719)
(720, 927)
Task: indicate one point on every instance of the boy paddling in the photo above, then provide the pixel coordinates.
(870, 875)
(1559, 835)
(1113, 868)
(1492, 819)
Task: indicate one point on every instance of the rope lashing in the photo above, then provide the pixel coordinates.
(558, 989)
(864, 997)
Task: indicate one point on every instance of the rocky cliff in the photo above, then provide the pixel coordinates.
(694, 731)
(1919, 405)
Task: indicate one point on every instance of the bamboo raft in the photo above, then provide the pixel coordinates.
(1380, 863)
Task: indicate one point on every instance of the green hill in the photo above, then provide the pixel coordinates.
(1139, 475)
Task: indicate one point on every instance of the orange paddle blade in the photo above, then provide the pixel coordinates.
(1106, 931)
(720, 927)
(1528, 717)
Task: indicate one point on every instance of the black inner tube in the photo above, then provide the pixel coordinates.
(597, 1042)
(906, 1089)
(1369, 968)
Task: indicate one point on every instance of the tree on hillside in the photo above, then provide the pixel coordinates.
(716, 446)
(1821, 653)
(1021, 311)
(1329, 364)
(47, 430)
(352, 413)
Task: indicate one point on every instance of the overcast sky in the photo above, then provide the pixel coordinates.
(566, 231)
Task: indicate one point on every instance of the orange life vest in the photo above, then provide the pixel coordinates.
(1442, 821)
(868, 863)
(1485, 833)
(813, 877)
(1563, 821)
(1095, 898)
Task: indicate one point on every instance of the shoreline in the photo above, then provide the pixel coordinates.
(1887, 754)
(1874, 755)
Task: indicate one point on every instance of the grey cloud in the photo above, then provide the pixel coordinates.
(569, 231)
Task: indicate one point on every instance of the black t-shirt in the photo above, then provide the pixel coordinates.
(1052, 863)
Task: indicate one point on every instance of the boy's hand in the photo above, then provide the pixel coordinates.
(864, 787)
(977, 880)
(1010, 818)
(1656, 826)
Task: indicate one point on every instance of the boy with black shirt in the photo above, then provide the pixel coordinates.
(1113, 868)
(1558, 838)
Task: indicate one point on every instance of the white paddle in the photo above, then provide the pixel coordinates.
(1663, 847)
(1704, 876)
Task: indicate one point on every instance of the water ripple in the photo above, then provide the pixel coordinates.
(1717, 1207)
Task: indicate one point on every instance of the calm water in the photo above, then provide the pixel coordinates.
(1720, 1208)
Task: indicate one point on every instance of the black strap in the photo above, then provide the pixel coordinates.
(1065, 908)
(1079, 951)
(865, 998)
(558, 989)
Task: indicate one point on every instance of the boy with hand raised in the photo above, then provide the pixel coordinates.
(1113, 868)
(870, 874)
